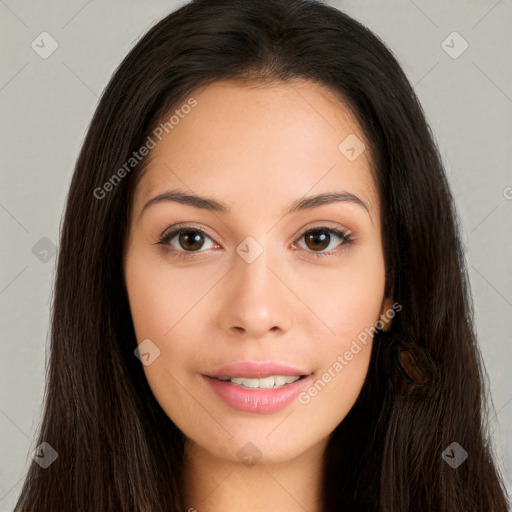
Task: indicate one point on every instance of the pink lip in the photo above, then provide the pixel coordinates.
(257, 400)
(256, 369)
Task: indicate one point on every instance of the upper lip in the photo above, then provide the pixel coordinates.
(256, 369)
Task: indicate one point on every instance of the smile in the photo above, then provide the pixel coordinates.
(270, 382)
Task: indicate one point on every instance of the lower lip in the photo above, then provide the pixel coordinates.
(257, 400)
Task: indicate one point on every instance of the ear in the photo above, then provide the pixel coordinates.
(387, 313)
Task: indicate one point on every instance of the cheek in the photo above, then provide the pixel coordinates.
(160, 297)
(346, 298)
(162, 304)
(169, 306)
(341, 360)
(347, 302)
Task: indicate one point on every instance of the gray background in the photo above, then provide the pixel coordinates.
(47, 104)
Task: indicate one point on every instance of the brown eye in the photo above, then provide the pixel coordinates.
(191, 240)
(317, 240)
(187, 242)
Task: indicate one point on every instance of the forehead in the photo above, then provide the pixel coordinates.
(271, 141)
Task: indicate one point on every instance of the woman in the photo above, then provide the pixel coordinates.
(261, 300)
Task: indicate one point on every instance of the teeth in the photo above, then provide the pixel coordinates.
(264, 383)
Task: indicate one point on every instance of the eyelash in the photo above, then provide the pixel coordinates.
(345, 236)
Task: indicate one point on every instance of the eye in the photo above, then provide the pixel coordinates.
(185, 242)
(317, 240)
(186, 239)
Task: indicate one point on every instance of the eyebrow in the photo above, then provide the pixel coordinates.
(213, 205)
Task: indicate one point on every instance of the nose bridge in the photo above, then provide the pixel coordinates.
(251, 267)
(257, 300)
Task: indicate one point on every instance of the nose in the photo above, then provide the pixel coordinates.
(257, 299)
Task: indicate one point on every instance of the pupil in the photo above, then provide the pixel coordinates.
(318, 237)
(194, 237)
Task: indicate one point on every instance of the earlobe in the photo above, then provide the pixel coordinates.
(386, 314)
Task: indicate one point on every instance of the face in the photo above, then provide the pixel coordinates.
(260, 275)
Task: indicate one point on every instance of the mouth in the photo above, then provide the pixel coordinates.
(266, 382)
(258, 387)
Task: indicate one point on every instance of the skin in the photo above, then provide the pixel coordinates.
(257, 148)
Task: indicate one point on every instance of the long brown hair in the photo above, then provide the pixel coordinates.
(117, 449)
